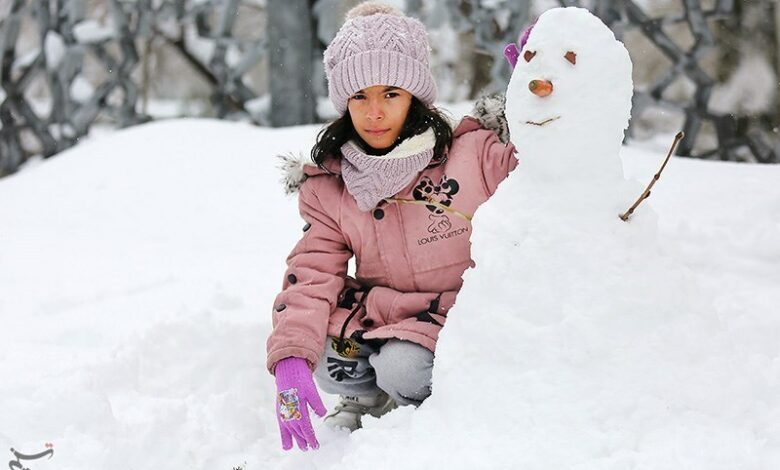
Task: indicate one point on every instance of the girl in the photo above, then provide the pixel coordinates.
(396, 187)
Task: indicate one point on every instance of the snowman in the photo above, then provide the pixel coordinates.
(553, 226)
(568, 104)
(579, 341)
(571, 314)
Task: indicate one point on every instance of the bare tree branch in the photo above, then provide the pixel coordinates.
(624, 217)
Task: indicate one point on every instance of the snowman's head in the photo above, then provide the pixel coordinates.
(570, 92)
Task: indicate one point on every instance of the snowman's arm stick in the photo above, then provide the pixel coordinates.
(646, 193)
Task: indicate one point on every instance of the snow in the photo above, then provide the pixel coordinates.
(259, 105)
(174, 108)
(202, 48)
(81, 89)
(54, 47)
(91, 31)
(444, 63)
(325, 108)
(137, 272)
(757, 98)
(26, 59)
(233, 56)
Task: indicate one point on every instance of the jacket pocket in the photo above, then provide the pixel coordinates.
(387, 306)
(372, 272)
(443, 248)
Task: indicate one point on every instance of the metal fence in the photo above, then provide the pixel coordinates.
(67, 38)
(735, 135)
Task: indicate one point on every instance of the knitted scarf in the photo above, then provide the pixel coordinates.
(371, 178)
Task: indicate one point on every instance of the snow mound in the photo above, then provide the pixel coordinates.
(137, 272)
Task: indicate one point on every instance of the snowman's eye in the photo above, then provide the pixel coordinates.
(528, 56)
(571, 57)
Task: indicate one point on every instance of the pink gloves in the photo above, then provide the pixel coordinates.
(296, 392)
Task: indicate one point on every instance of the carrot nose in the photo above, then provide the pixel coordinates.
(540, 88)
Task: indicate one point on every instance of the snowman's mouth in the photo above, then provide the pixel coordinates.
(542, 123)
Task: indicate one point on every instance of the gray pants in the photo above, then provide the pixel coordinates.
(401, 368)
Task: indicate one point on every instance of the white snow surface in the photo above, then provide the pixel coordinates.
(138, 269)
(54, 47)
(81, 89)
(91, 31)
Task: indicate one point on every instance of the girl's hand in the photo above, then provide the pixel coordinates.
(295, 393)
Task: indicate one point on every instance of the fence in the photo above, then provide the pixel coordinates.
(203, 35)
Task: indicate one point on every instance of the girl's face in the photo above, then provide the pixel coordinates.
(378, 114)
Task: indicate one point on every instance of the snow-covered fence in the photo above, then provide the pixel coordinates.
(71, 103)
(738, 137)
(493, 25)
(475, 32)
(72, 69)
(685, 88)
(47, 102)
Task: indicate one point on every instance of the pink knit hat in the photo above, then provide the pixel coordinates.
(378, 45)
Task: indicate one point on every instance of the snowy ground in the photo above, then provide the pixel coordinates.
(137, 272)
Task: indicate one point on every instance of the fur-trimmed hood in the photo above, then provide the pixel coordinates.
(489, 110)
(488, 113)
(295, 169)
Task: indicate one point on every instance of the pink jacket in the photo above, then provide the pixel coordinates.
(411, 251)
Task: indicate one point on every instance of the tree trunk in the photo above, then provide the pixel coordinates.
(777, 55)
(290, 40)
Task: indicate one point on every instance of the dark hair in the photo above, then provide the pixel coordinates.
(419, 119)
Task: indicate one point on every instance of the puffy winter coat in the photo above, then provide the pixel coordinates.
(410, 251)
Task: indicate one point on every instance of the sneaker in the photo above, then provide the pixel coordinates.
(348, 412)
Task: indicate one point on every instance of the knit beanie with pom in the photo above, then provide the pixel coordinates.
(378, 45)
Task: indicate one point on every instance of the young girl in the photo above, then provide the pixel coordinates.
(396, 187)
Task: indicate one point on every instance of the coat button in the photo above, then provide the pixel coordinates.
(292, 279)
(280, 307)
(378, 214)
(368, 323)
(306, 227)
